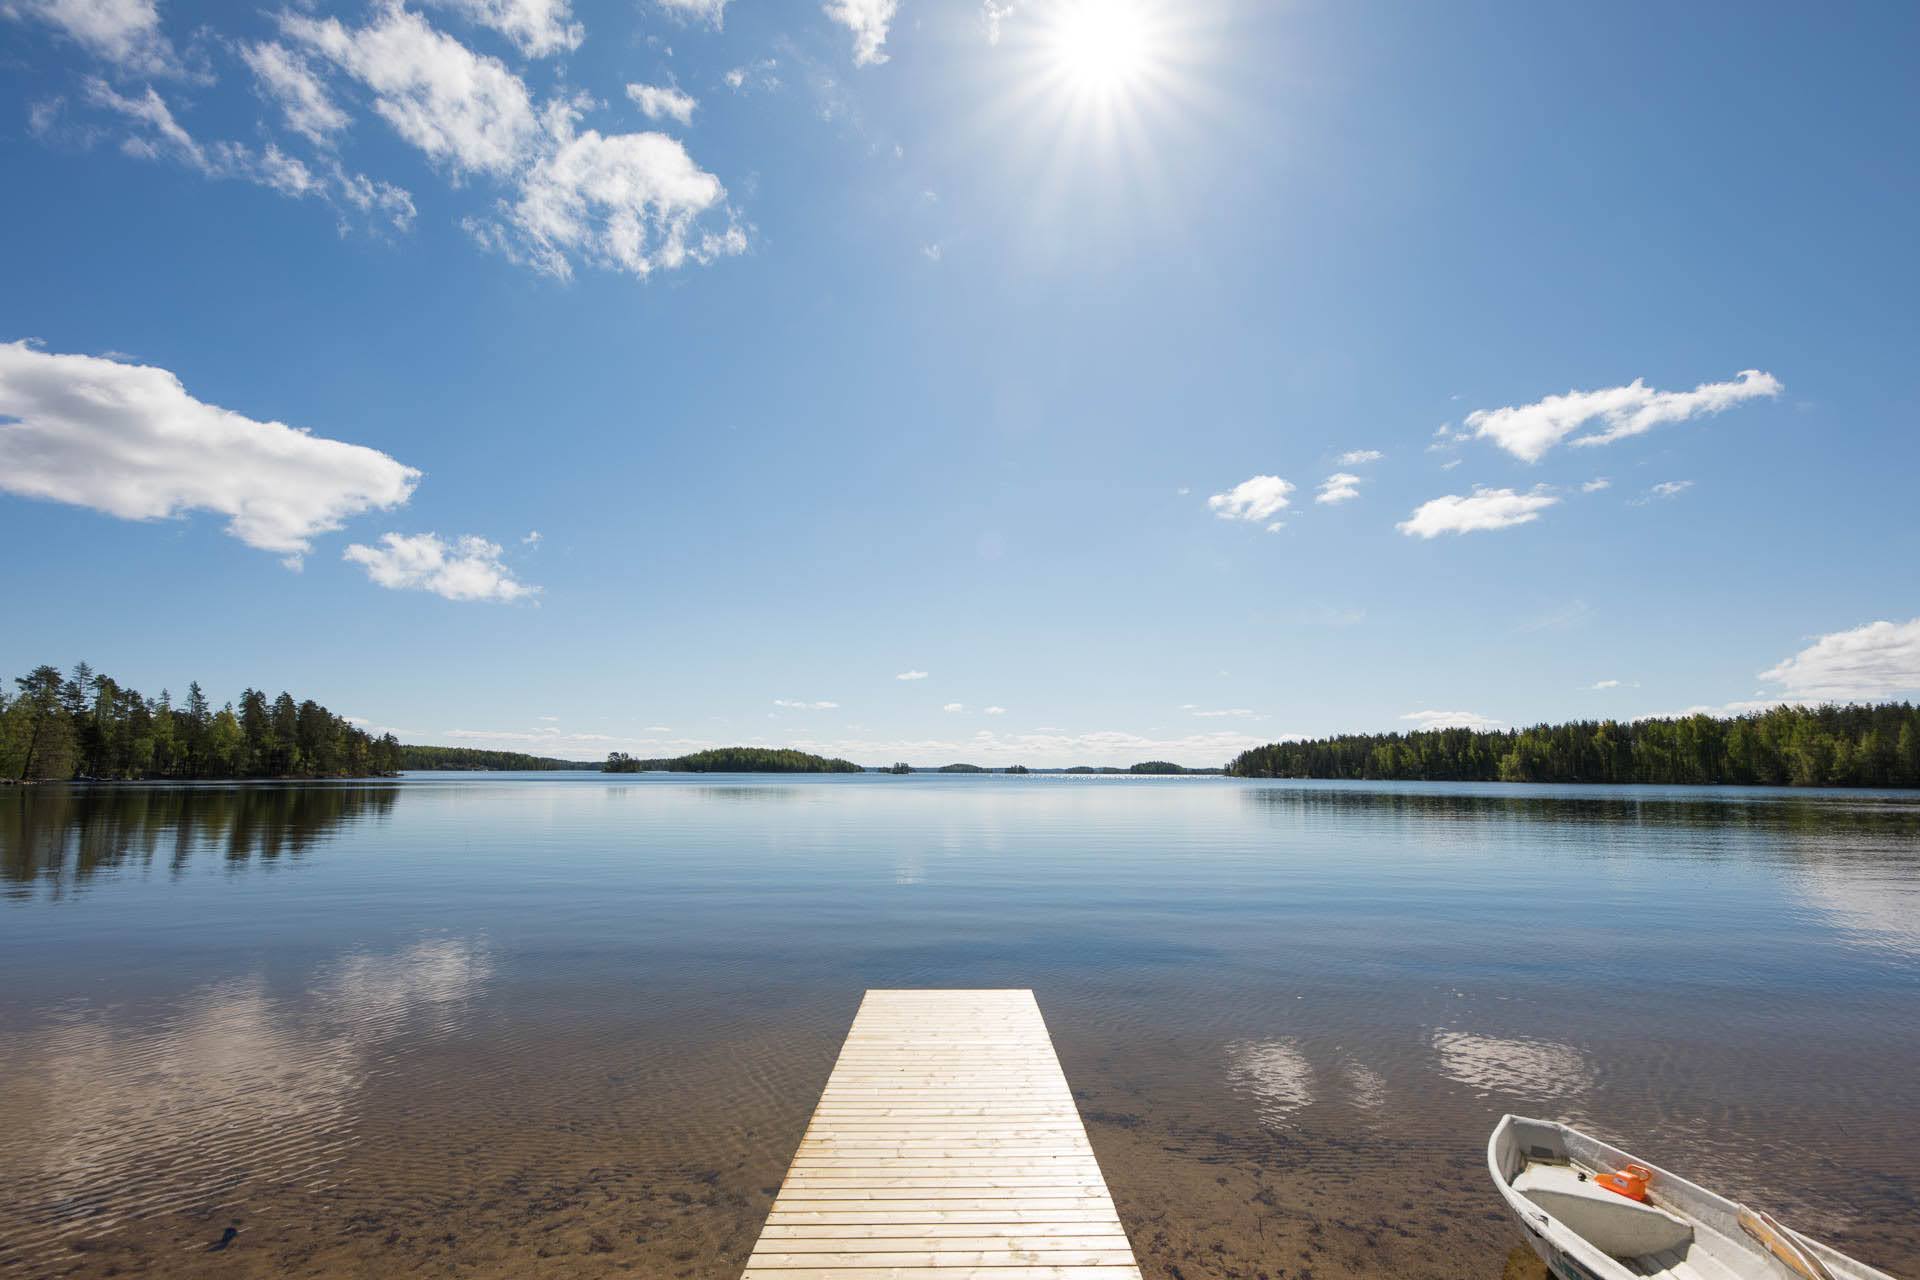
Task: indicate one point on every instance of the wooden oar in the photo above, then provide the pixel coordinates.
(1781, 1244)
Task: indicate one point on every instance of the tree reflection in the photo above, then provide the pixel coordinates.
(55, 838)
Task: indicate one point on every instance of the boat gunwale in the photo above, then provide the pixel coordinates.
(1560, 1235)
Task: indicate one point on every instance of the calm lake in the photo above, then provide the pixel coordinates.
(488, 1024)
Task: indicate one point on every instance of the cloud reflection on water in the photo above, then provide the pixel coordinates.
(1528, 1068)
(236, 1086)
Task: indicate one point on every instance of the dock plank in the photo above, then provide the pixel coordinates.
(946, 1144)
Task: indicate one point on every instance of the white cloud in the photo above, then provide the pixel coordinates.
(1359, 457)
(125, 33)
(868, 20)
(468, 568)
(1452, 720)
(1260, 498)
(1670, 488)
(536, 27)
(1569, 615)
(1596, 484)
(1450, 465)
(1234, 713)
(1042, 748)
(285, 79)
(1529, 431)
(911, 675)
(932, 252)
(369, 195)
(457, 106)
(128, 440)
(161, 135)
(753, 76)
(994, 711)
(954, 706)
(662, 101)
(1276, 526)
(1604, 684)
(532, 539)
(1341, 486)
(993, 13)
(1878, 660)
(168, 135)
(713, 12)
(793, 705)
(1485, 509)
(630, 202)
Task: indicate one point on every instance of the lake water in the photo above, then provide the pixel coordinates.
(488, 1024)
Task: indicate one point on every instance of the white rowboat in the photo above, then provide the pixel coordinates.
(1550, 1176)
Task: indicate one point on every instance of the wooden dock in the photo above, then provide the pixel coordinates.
(945, 1145)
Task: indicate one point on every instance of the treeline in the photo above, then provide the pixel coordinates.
(733, 760)
(418, 757)
(1832, 746)
(87, 725)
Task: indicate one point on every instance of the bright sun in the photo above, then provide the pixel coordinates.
(1101, 46)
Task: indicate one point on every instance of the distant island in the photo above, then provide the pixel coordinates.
(733, 760)
(476, 758)
(1832, 746)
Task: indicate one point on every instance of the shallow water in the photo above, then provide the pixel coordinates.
(478, 1024)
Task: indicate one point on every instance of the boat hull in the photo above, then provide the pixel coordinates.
(1719, 1246)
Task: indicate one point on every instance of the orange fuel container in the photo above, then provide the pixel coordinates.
(1630, 1182)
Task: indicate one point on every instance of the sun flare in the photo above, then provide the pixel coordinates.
(1101, 46)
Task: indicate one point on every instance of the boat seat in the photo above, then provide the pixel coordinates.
(1610, 1222)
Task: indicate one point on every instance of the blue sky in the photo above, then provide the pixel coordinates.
(1011, 344)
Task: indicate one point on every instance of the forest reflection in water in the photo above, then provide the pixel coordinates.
(59, 837)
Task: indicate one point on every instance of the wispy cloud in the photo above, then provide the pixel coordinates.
(1530, 431)
(753, 77)
(1665, 489)
(795, 705)
(1226, 713)
(1483, 509)
(465, 568)
(1596, 484)
(1452, 720)
(993, 711)
(156, 134)
(911, 675)
(1043, 748)
(1341, 486)
(128, 440)
(1571, 614)
(1359, 457)
(537, 28)
(285, 79)
(712, 12)
(993, 13)
(1259, 498)
(954, 706)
